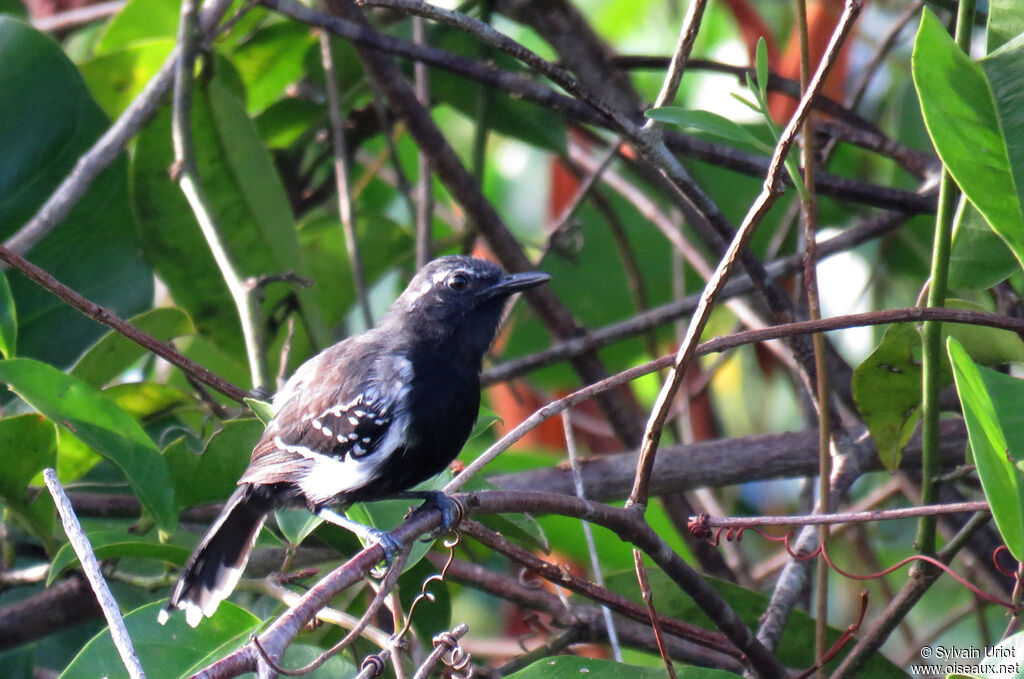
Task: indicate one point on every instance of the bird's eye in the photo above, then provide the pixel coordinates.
(458, 281)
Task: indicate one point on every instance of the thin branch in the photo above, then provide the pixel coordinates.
(346, 206)
(186, 172)
(768, 195)
(681, 56)
(842, 517)
(588, 534)
(71, 19)
(91, 568)
(424, 177)
(112, 321)
(447, 642)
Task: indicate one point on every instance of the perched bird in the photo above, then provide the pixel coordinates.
(369, 417)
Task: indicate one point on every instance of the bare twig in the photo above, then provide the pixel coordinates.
(111, 320)
(424, 178)
(91, 567)
(186, 172)
(446, 643)
(770, 192)
(588, 533)
(346, 206)
(842, 517)
(75, 18)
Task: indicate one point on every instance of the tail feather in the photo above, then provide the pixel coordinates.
(217, 563)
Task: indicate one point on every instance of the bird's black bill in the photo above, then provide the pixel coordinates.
(517, 282)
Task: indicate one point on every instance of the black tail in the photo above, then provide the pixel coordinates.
(217, 563)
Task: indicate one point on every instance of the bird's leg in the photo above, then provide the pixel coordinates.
(451, 509)
(369, 535)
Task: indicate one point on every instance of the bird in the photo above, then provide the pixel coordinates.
(365, 419)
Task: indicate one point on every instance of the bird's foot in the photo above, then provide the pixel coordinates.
(452, 512)
(371, 536)
(389, 543)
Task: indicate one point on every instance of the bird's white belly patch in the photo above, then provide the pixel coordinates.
(328, 476)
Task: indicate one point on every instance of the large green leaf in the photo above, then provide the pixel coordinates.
(95, 248)
(168, 651)
(27, 446)
(270, 60)
(248, 203)
(979, 258)
(887, 389)
(967, 117)
(1005, 22)
(997, 450)
(116, 78)
(115, 353)
(94, 419)
(140, 21)
(118, 544)
(211, 476)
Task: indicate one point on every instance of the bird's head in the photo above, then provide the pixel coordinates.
(459, 297)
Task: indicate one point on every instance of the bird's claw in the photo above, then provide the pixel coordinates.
(452, 512)
(389, 543)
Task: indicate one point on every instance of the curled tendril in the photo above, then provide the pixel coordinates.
(527, 578)
(455, 656)
(535, 628)
(995, 561)
(735, 533)
(450, 543)
(372, 666)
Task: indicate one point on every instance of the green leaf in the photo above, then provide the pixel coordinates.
(761, 59)
(248, 203)
(1005, 22)
(966, 117)
(212, 476)
(115, 353)
(98, 422)
(116, 78)
(94, 250)
(8, 320)
(993, 455)
(174, 649)
(263, 410)
(979, 258)
(286, 121)
(887, 390)
(985, 345)
(706, 121)
(27, 446)
(296, 524)
(140, 21)
(270, 60)
(336, 667)
(117, 544)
